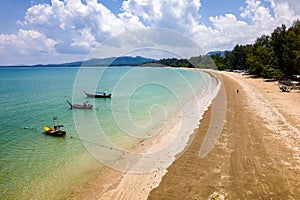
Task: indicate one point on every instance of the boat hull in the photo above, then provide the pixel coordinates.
(80, 106)
(53, 132)
(98, 95)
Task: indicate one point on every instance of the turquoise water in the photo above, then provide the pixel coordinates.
(36, 166)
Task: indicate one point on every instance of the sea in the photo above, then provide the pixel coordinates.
(145, 102)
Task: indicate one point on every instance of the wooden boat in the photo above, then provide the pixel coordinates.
(55, 132)
(85, 105)
(98, 95)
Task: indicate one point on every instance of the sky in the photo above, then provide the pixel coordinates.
(57, 31)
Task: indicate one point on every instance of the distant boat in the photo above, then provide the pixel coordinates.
(85, 105)
(98, 95)
(55, 131)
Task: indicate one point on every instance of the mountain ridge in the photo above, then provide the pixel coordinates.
(101, 62)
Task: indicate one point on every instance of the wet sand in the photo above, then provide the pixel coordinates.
(257, 155)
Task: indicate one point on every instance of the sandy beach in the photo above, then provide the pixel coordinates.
(257, 155)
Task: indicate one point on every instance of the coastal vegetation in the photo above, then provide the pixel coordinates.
(274, 56)
(174, 62)
(201, 61)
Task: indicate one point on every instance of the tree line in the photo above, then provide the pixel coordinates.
(201, 61)
(274, 56)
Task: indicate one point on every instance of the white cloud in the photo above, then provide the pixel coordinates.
(75, 24)
(149, 11)
(227, 30)
(26, 42)
(73, 27)
(257, 13)
(174, 14)
(286, 12)
(184, 16)
(227, 23)
(259, 20)
(130, 21)
(293, 6)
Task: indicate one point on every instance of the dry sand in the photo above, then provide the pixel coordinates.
(257, 155)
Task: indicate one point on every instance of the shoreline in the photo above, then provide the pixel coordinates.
(256, 164)
(113, 184)
(251, 159)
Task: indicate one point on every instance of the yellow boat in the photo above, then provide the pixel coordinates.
(54, 132)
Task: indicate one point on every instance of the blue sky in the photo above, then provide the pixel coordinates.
(55, 31)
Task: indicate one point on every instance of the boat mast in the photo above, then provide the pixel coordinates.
(54, 118)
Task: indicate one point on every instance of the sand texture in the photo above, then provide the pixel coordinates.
(257, 155)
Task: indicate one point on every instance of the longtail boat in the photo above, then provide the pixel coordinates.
(85, 105)
(55, 131)
(98, 95)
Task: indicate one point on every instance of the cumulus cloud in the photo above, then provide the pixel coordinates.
(256, 12)
(226, 29)
(26, 42)
(292, 6)
(173, 14)
(258, 20)
(76, 26)
(285, 12)
(26, 47)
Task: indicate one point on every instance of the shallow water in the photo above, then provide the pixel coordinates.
(144, 100)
